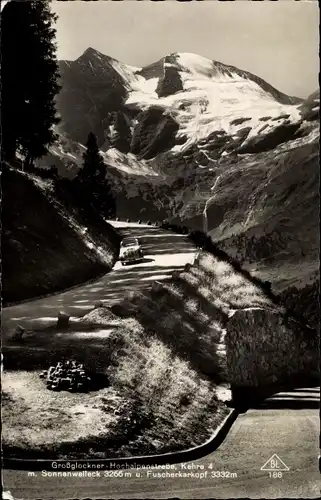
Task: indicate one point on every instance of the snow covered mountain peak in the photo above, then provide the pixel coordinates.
(206, 96)
(195, 64)
(181, 101)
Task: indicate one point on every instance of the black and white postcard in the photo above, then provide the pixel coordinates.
(160, 249)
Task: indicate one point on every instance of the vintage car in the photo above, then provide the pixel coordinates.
(130, 251)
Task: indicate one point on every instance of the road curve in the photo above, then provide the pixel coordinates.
(286, 424)
(164, 252)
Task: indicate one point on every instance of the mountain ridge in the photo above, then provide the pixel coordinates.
(222, 68)
(147, 70)
(200, 95)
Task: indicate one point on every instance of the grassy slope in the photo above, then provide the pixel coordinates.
(163, 354)
(171, 356)
(152, 400)
(43, 250)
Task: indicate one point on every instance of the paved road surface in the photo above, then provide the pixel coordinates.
(286, 424)
(164, 251)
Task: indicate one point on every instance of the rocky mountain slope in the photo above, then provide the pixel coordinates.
(265, 213)
(180, 103)
(204, 144)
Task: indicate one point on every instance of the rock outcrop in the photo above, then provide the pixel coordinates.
(265, 348)
(169, 82)
(279, 135)
(119, 133)
(154, 133)
(310, 108)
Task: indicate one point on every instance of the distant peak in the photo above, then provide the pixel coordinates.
(90, 52)
(192, 56)
(189, 61)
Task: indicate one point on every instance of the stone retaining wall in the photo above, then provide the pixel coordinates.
(264, 349)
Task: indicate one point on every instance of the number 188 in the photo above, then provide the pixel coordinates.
(275, 474)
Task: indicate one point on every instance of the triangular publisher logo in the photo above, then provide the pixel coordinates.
(274, 464)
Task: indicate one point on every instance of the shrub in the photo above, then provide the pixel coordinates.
(158, 381)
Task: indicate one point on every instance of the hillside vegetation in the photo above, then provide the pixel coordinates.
(45, 248)
(164, 357)
(170, 357)
(153, 396)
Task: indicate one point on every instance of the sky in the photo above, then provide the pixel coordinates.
(278, 41)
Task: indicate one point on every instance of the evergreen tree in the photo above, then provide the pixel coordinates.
(94, 186)
(29, 78)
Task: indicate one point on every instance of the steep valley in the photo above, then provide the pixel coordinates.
(205, 145)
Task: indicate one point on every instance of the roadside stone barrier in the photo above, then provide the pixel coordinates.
(63, 320)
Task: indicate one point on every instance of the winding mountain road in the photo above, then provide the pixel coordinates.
(164, 252)
(286, 424)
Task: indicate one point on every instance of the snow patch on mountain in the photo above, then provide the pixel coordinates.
(126, 72)
(195, 64)
(62, 151)
(214, 110)
(127, 163)
(143, 91)
(212, 98)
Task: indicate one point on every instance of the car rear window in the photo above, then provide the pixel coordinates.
(129, 242)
